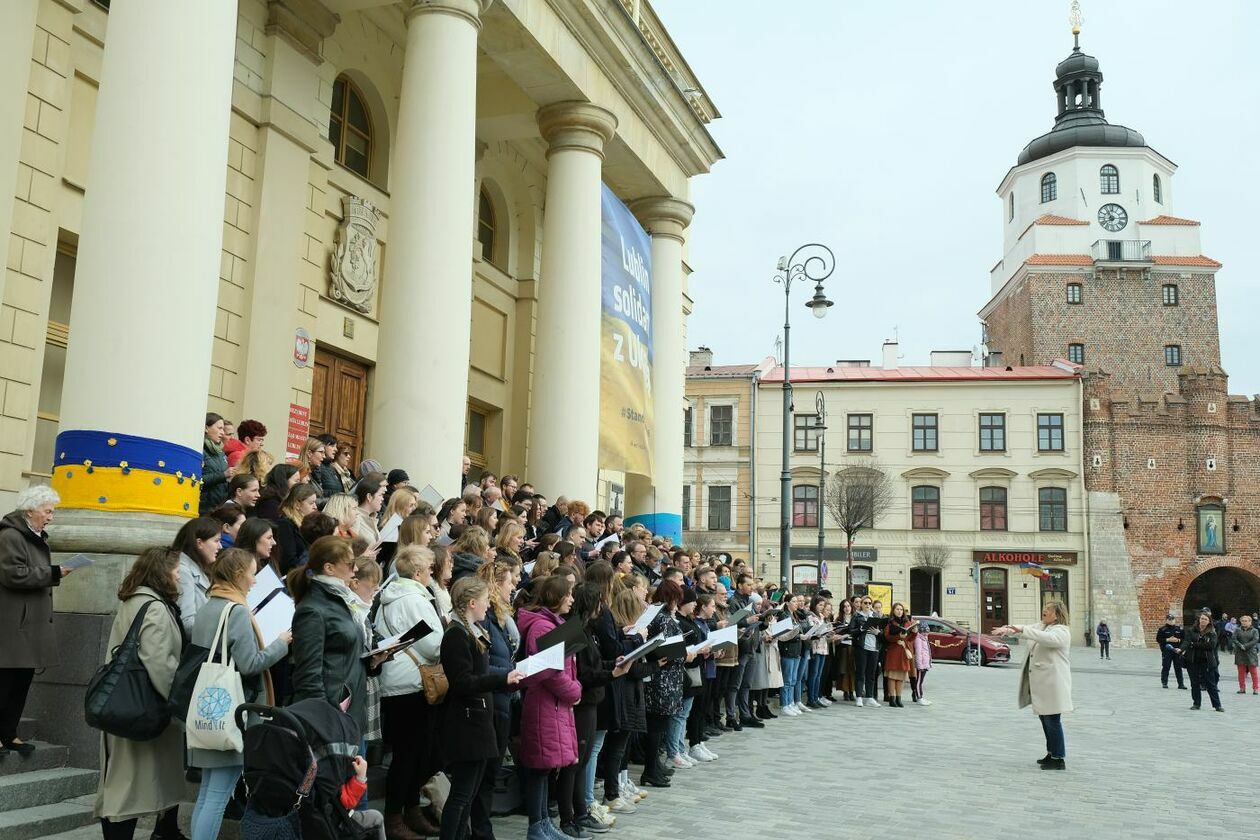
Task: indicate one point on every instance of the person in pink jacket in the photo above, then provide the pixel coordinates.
(548, 734)
(922, 664)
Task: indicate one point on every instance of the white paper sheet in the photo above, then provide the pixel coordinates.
(275, 617)
(78, 561)
(648, 615)
(782, 626)
(389, 531)
(551, 659)
(265, 582)
(650, 644)
(696, 647)
(727, 635)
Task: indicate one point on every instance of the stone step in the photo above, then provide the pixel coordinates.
(44, 787)
(28, 729)
(44, 820)
(45, 757)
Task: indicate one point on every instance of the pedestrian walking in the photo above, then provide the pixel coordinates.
(1201, 659)
(1103, 633)
(1045, 683)
(1247, 654)
(1169, 638)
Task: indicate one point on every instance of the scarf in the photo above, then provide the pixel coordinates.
(235, 596)
(358, 611)
(212, 448)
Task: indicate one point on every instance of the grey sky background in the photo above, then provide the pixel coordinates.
(883, 127)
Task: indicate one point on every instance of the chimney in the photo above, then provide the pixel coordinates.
(890, 355)
(702, 357)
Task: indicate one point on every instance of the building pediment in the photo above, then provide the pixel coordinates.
(925, 472)
(1052, 472)
(993, 472)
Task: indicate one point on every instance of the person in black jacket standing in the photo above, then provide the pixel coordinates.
(468, 736)
(1200, 649)
(1169, 639)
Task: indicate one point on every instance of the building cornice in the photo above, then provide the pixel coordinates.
(304, 24)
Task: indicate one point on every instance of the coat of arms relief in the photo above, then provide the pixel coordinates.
(354, 259)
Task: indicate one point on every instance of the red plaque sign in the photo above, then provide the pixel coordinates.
(299, 430)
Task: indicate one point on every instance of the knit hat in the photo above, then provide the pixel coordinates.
(369, 466)
(689, 596)
(396, 476)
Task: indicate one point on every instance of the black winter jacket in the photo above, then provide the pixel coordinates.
(1200, 648)
(468, 712)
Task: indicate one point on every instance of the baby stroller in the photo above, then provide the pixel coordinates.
(296, 760)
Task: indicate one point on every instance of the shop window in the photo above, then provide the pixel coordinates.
(1055, 587)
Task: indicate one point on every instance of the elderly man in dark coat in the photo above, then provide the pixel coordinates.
(27, 576)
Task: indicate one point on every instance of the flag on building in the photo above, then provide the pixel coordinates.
(1034, 569)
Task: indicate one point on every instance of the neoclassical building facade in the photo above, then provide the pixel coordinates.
(374, 218)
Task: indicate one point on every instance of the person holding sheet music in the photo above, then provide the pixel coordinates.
(410, 723)
(865, 631)
(370, 495)
(818, 655)
(665, 691)
(626, 700)
(899, 634)
(231, 577)
(843, 647)
(696, 735)
(675, 739)
(790, 656)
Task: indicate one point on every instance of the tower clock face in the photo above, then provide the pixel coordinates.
(1112, 217)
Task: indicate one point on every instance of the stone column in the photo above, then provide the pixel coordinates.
(564, 426)
(420, 390)
(143, 314)
(656, 501)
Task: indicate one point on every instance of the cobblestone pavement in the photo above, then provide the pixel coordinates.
(965, 767)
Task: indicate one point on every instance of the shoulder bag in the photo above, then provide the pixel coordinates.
(432, 679)
(211, 721)
(120, 698)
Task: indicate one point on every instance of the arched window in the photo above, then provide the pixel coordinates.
(1010, 212)
(1157, 188)
(1109, 180)
(486, 226)
(350, 128)
(1049, 187)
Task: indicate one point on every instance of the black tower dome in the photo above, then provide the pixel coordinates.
(1080, 121)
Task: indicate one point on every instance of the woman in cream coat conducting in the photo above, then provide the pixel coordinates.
(1046, 680)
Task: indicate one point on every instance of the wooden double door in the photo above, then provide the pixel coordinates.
(339, 402)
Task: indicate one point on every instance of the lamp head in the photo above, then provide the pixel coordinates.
(819, 303)
(783, 264)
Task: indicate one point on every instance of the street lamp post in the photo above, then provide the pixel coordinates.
(813, 263)
(820, 429)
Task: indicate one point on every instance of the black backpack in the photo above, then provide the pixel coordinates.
(120, 699)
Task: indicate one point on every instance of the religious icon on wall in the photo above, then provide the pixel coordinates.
(1211, 529)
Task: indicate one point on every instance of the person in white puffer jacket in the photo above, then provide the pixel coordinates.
(408, 720)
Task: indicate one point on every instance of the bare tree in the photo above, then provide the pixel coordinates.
(857, 495)
(705, 542)
(931, 557)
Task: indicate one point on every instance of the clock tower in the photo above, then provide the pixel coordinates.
(1096, 268)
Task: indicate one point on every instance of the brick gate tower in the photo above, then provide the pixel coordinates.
(1097, 270)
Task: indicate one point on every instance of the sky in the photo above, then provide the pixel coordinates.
(882, 129)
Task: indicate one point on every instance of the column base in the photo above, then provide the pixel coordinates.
(113, 541)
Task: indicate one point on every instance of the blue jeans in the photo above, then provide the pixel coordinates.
(675, 743)
(1055, 743)
(588, 776)
(801, 671)
(791, 665)
(816, 663)
(217, 784)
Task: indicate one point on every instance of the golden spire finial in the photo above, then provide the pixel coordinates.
(1075, 18)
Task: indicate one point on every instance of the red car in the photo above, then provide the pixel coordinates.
(950, 642)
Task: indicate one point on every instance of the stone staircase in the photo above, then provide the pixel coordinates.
(42, 797)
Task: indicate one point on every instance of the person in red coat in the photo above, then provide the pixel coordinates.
(899, 635)
(548, 733)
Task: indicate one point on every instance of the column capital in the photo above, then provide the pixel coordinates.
(663, 215)
(576, 125)
(303, 23)
(469, 10)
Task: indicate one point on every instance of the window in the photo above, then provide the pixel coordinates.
(475, 445)
(1049, 187)
(349, 128)
(1158, 189)
(688, 416)
(1049, 432)
(992, 508)
(1055, 587)
(686, 507)
(860, 426)
(805, 506)
(1076, 353)
(485, 226)
(1074, 293)
(721, 425)
(1172, 296)
(923, 428)
(992, 432)
(806, 432)
(1052, 508)
(1010, 212)
(1109, 180)
(720, 508)
(1172, 355)
(925, 506)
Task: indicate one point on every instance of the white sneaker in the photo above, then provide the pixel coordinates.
(680, 763)
(791, 711)
(923, 701)
(622, 805)
(697, 754)
(872, 703)
(602, 814)
(824, 701)
(710, 753)
(801, 707)
(858, 702)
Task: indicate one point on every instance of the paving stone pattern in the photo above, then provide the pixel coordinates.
(965, 766)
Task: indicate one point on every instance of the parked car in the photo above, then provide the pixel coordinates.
(949, 642)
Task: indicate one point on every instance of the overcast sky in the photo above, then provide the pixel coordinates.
(883, 127)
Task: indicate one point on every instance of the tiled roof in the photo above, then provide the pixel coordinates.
(1198, 261)
(1059, 259)
(1170, 220)
(1051, 219)
(721, 370)
(922, 374)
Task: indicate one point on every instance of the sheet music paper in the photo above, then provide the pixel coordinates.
(275, 616)
(780, 627)
(551, 659)
(265, 582)
(389, 531)
(648, 614)
(725, 636)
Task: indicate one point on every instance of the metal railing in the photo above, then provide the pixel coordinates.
(1122, 250)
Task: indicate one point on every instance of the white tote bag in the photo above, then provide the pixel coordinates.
(211, 723)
